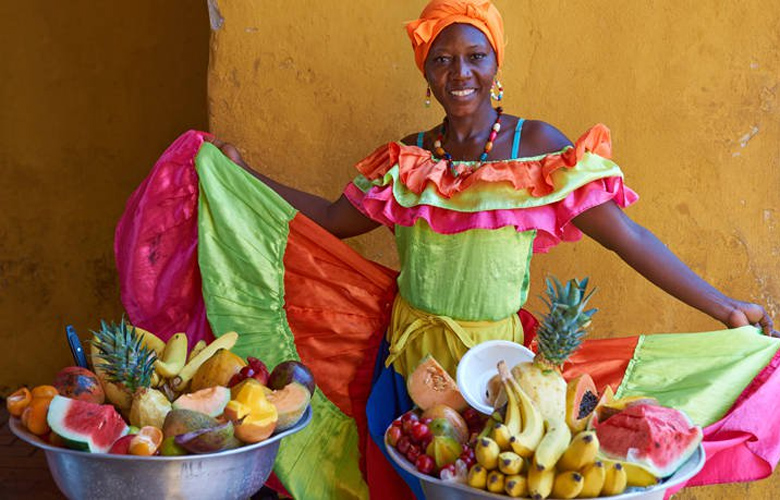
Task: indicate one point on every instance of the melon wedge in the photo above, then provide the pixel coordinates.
(85, 426)
(658, 438)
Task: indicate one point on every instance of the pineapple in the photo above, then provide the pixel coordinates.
(121, 361)
(559, 334)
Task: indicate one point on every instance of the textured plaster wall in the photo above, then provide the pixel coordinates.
(689, 89)
(91, 94)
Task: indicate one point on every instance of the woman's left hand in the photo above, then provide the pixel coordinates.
(745, 313)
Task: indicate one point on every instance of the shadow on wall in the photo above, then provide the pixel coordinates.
(92, 93)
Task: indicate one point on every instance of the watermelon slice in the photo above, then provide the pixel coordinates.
(84, 425)
(658, 438)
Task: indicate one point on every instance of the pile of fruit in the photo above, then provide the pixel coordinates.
(164, 398)
(548, 437)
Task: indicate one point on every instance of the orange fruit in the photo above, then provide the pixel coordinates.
(146, 442)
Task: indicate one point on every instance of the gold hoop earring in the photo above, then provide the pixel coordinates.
(496, 91)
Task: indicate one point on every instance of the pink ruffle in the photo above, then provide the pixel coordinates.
(551, 221)
(156, 247)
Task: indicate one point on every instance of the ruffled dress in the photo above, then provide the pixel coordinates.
(206, 248)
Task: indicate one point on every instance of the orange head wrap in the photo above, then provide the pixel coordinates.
(439, 14)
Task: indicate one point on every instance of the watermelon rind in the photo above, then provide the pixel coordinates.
(85, 426)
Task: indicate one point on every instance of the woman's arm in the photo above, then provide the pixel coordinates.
(640, 249)
(339, 218)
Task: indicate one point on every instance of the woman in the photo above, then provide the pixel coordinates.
(469, 201)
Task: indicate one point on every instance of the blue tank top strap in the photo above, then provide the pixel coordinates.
(516, 140)
(420, 139)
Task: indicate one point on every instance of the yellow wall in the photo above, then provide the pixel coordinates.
(689, 89)
(91, 94)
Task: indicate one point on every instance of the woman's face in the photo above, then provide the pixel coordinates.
(460, 69)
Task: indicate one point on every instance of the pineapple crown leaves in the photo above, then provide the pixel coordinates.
(125, 359)
(562, 329)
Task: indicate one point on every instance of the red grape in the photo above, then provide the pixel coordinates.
(425, 464)
(413, 452)
(393, 435)
(420, 432)
(403, 444)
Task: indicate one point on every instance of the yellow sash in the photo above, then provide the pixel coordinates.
(414, 333)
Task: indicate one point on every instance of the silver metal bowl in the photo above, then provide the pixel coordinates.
(436, 489)
(231, 474)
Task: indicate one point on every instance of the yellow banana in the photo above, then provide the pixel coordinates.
(501, 436)
(199, 346)
(487, 431)
(540, 481)
(155, 379)
(636, 475)
(581, 451)
(525, 443)
(225, 341)
(495, 482)
(477, 477)
(592, 479)
(510, 463)
(151, 341)
(513, 420)
(174, 356)
(516, 486)
(552, 445)
(614, 479)
(486, 453)
(567, 484)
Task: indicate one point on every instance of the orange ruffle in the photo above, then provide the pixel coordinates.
(418, 168)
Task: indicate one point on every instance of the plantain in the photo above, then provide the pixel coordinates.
(567, 484)
(581, 451)
(174, 356)
(552, 445)
(225, 341)
(592, 479)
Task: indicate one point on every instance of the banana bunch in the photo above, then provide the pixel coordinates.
(176, 364)
(527, 456)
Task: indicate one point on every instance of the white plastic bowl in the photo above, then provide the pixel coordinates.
(479, 365)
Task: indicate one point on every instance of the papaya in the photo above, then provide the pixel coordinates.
(430, 384)
(581, 399)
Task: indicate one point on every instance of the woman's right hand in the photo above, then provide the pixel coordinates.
(228, 150)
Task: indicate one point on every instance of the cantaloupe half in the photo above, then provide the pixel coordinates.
(291, 402)
(430, 384)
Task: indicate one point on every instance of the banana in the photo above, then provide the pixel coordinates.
(174, 356)
(516, 486)
(592, 479)
(155, 380)
(510, 463)
(477, 477)
(199, 346)
(151, 341)
(581, 451)
(525, 443)
(552, 445)
(486, 453)
(540, 481)
(636, 475)
(225, 341)
(495, 482)
(491, 423)
(567, 484)
(614, 479)
(501, 436)
(513, 420)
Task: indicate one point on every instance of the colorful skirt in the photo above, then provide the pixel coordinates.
(205, 247)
